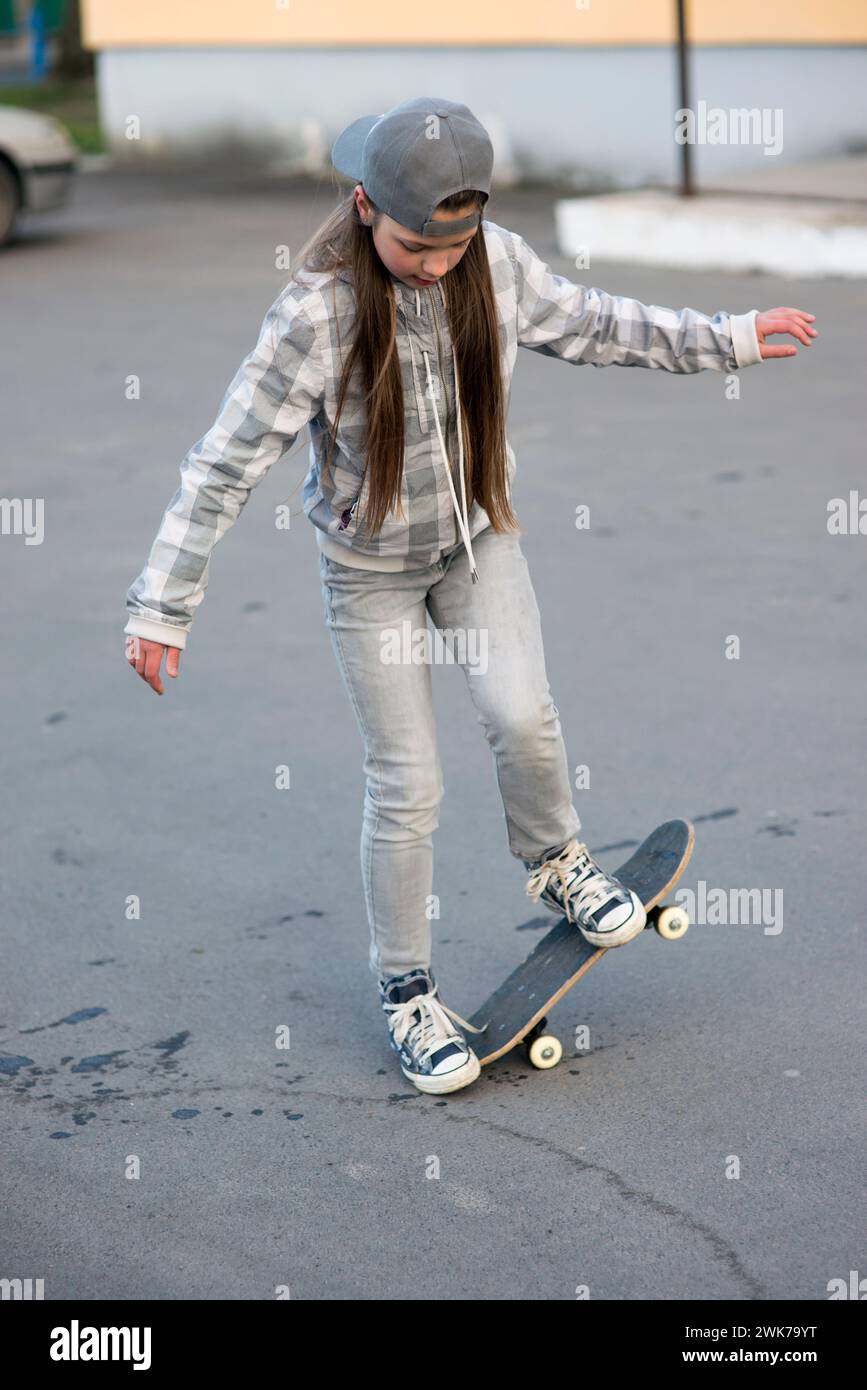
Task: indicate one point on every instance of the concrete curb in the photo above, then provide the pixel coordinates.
(792, 237)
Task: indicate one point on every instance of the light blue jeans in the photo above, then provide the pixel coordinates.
(377, 622)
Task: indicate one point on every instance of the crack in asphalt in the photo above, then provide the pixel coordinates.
(721, 1250)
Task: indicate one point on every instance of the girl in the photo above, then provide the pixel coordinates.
(395, 341)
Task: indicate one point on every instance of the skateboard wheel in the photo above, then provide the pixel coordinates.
(671, 922)
(545, 1051)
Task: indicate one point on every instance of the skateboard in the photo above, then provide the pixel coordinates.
(515, 1012)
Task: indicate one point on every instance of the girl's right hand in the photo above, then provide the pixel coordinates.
(146, 657)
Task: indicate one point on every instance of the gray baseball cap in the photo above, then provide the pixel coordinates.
(413, 156)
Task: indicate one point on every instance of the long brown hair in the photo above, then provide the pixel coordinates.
(343, 240)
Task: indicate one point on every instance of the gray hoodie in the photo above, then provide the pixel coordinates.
(291, 378)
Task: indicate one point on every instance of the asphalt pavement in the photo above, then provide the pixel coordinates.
(167, 910)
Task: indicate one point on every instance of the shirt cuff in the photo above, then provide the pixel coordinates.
(168, 633)
(745, 340)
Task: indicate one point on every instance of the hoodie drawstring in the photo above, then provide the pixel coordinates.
(460, 511)
(419, 396)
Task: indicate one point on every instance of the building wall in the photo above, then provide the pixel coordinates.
(376, 23)
(584, 95)
(595, 119)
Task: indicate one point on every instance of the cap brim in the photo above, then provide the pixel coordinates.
(347, 148)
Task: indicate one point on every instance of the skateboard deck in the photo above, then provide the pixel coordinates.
(515, 1012)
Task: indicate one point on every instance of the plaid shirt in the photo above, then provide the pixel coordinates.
(291, 378)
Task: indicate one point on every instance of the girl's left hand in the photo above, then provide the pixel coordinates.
(793, 321)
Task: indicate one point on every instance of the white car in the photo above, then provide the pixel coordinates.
(38, 163)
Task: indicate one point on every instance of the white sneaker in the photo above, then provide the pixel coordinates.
(571, 882)
(433, 1055)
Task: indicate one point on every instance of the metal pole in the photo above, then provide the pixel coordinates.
(687, 189)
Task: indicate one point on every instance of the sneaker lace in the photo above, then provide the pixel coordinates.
(585, 885)
(431, 1030)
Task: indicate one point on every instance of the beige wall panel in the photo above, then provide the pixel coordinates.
(203, 23)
